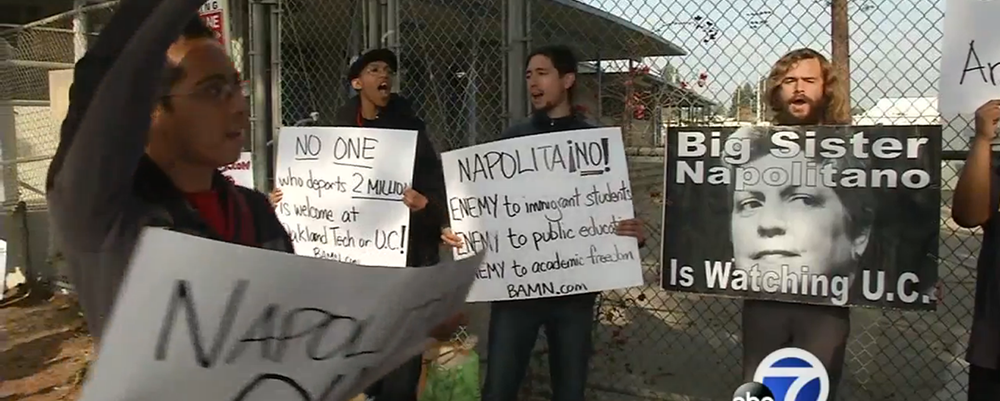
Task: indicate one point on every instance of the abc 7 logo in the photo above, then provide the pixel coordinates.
(788, 374)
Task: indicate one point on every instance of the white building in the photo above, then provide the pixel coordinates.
(901, 111)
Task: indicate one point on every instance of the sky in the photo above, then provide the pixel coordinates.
(895, 44)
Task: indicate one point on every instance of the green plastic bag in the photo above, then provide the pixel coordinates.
(453, 377)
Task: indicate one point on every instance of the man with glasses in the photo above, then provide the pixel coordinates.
(156, 108)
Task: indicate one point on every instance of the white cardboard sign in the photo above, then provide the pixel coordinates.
(343, 192)
(969, 57)
(240, 172)
(226, 322)
(546, 208)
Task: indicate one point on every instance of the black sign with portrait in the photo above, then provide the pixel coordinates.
(822, 215)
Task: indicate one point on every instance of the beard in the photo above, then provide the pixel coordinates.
(814, 117)
(545, 107)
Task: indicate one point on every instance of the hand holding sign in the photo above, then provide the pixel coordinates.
(987, 117)
(450, 238)
(226, 322)
(632, 228)
(276, 196)
(414, 200)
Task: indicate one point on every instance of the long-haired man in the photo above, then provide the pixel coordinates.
(802, 89)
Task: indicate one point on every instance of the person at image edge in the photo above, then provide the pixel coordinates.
(976, 203)
(568, 320)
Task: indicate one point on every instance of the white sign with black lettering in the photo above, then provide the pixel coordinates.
(546, 207)
(343, 192)
(226, 322)
(970, 52)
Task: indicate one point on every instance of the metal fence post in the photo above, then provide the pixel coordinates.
(275, 58)
(79, 29)
(21, 246)
(373, 33)
(8, 124)
(259, 76)
(391, 36)
(517, 50)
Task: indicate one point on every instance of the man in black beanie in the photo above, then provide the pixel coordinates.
(375, 106)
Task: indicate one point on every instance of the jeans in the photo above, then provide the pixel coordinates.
(400, 384)
(822, 330)
(513, 331)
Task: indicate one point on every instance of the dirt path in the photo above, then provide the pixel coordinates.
(44, 349)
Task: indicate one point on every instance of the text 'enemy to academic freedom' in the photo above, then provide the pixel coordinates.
(559, 261)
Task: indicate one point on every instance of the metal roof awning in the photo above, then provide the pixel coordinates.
(591, 32)
(594, 33)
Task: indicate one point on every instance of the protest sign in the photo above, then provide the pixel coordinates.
(546, 207)
(240, 172)
(821, 215)
(970, 54)
(227, 322)
(343, 192)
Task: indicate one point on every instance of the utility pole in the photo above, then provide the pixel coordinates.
(840, 51)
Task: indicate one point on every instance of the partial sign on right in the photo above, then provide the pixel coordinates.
(970, 53)
(820, 215)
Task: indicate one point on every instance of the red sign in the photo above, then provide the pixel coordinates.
(216, 22)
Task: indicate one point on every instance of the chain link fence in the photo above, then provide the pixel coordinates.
(36, 60)
(36, 67)
(649, 64)
(318, 39)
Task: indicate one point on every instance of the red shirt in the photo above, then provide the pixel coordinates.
(209, 206)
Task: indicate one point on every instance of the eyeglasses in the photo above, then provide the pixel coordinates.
(375, 69)
(217, 91)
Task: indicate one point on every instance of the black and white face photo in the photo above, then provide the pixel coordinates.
(783, 227)
(826, 215)
(794, 226)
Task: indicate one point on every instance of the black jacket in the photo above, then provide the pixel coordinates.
(540, 123)
(428, 176)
